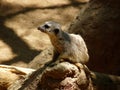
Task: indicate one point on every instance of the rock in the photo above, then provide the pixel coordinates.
(65, 76)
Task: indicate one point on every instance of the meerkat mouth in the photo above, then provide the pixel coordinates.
(41, 29)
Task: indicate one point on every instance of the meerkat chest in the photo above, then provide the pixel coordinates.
(58, 45)
(61, 42)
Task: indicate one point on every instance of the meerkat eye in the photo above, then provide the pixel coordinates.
(56, 31)
(46, 26)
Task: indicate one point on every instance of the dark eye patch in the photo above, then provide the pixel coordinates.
(56, 31)
(46, 26)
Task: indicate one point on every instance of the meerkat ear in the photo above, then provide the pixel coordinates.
(56, 31)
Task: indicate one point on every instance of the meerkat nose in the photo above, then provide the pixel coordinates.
(39, 28)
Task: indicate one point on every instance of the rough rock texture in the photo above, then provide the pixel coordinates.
(65, 76)
(98, 24)
(10, 74)
(58, 76)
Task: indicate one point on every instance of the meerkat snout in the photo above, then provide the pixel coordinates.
(43, 28)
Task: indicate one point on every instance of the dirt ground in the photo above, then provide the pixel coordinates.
(20, 41)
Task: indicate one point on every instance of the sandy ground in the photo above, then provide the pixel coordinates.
(20, 41)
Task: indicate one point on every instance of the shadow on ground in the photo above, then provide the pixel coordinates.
(23, 51)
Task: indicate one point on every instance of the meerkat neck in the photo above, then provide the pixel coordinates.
(65, 36)
(59, 40)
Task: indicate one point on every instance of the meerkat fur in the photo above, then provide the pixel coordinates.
(67, 46)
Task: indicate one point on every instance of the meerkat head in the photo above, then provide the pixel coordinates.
(50, 27)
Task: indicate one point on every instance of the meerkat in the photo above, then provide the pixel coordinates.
(70, 47)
